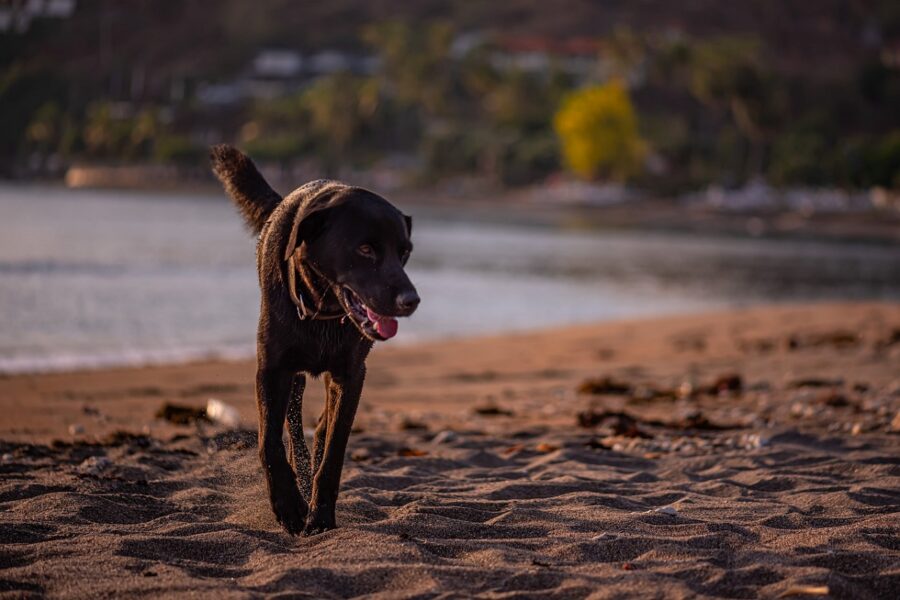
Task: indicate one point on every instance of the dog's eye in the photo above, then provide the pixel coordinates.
(366, 250)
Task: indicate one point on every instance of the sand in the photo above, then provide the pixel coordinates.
(745, 454)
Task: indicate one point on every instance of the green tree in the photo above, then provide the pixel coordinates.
(44, 129)
(598, 131)
(24, 89)
(109, 134)
(626, 52)
(416, 63)
(870, 161)
(728, 75)
(341, 109)
(340, 119)
(278, 129)
(50, 133)
(522, 101)
(145, 130)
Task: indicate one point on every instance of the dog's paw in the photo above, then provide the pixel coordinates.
(290, 510)
(319, 521)
(292, 518)
(313, 529)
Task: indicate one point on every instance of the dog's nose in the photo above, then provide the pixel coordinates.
(408, 300)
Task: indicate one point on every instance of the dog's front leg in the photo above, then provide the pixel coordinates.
(273, 392)
(343, 398)
(321, 428)
(299, 451)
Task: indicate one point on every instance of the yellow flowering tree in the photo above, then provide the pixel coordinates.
(598, 130)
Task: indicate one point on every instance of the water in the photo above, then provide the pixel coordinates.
(98, 278)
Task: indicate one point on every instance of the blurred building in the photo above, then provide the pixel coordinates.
(276, 72)
(18, 16)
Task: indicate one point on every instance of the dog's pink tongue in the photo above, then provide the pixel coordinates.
(385, 326)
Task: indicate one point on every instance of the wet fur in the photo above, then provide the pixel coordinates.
(303, 490)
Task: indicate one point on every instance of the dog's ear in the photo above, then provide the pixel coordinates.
(408, 220)
(309, 221)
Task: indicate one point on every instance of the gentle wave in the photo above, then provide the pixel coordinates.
(67, 362)
(128, 357)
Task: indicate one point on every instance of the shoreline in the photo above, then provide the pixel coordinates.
(555, 354)
(137, 359)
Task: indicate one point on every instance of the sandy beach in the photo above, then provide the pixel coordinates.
(744, 454)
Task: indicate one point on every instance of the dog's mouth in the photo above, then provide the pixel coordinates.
(373, 325)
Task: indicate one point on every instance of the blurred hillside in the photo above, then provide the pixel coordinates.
(665, 96)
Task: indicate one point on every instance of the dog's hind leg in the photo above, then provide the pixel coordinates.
(343, 399)
(273, 392)
(300, 459)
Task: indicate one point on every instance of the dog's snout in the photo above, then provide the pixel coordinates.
(408, 300)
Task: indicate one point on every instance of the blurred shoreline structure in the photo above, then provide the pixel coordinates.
(754, 210)
(756, 196)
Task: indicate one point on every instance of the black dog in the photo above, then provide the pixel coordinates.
(330, 259)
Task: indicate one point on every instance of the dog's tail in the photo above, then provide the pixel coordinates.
(243, 183)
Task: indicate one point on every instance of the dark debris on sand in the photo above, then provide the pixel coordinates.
(180, 414)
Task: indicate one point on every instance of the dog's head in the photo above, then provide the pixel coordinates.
(360, 243)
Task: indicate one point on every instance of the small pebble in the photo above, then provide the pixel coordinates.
(94, 465)
(6, 458)
(754, 440)
(76, 429)
(444, 437)
(667, 510)
(361, 454)
(895, 424)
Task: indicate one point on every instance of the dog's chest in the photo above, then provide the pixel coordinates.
(328, 347)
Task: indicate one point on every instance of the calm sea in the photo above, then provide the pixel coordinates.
(99, 278)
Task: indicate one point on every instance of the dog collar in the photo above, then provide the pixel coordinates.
(297, 297)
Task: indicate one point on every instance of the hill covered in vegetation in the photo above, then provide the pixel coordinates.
(796, 92)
